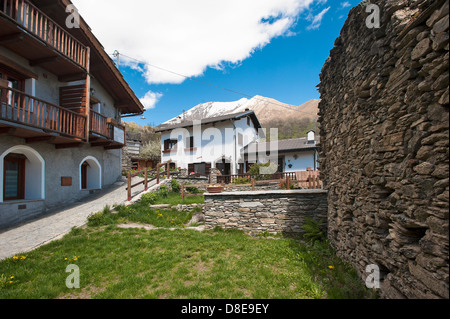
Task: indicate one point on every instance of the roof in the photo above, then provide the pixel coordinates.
(223, 118)
(102, 67)
(287, 146)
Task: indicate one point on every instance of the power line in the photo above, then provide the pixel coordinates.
(210, 84)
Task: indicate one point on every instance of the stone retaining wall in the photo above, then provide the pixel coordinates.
(384, 118)
(267, 211)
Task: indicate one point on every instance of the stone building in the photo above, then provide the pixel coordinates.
(384, 157)
(61, 103)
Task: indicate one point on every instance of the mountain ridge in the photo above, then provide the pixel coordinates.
(266, 109)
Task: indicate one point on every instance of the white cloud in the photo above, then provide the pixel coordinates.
(150, 99)
(189, 36)
(316, 20)
(345, 4)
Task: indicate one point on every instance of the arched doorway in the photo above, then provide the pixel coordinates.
(90, 174)
(22, 174)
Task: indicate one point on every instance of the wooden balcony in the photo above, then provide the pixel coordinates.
(28, 32)
(35, 120)
(106, 132)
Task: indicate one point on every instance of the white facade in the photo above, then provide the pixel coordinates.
(300, 161)
(213, 144)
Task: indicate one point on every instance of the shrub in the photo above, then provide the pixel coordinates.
(176, 188)
(283, 185)
(149, 198)
(313, 230)
(242, 180)
(100, 218)
(191, 189)
(262, 171)
(164, 191)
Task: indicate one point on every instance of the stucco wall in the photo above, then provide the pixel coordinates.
(211, 142)
(58, 164)
(299, 161)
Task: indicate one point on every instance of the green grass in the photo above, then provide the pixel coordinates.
(120, 263)
(175, 199)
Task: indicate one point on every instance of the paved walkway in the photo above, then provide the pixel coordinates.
(57, 223)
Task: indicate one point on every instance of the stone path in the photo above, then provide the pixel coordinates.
(57, 223)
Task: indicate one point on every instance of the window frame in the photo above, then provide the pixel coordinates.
(20, 159)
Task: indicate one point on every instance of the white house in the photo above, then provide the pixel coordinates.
(215, 142)
(293, 155)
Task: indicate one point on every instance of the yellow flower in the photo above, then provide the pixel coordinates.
(10, 282)
(15, 257)
(331, 267)
(12, 277)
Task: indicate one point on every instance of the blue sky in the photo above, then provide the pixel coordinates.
(281, 59)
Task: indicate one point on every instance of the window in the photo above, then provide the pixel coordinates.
(190, 142)
(13, 81)
(170, 145)
(14, 177)
(240, 139)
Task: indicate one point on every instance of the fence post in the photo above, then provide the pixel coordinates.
(146, 179)
(129, 187)
(168, 170)
(157, 173)
(253, 184)
(182, 192)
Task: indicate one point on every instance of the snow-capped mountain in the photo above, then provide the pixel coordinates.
(265, 108)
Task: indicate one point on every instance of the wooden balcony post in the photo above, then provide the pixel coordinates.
(88, 94)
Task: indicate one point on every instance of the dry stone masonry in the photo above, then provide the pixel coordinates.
(265, 211)
(384, 119)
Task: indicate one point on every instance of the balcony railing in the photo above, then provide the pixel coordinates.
(24, 109)
(37, 23)
(105, 127)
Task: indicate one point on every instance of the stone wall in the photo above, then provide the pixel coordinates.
(384, 120)
(268, 211)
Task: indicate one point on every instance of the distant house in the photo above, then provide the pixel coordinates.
(217, 142)
(134, 143)
(294, 155)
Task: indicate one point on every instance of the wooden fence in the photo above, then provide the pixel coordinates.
(305, 180)
(145, 172)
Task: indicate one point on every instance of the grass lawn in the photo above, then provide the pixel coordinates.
(136, 263)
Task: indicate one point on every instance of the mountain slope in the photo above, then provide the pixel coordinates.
(266, 109)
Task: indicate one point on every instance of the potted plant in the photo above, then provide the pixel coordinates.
(215, 189)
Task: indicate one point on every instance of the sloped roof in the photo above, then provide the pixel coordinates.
(102, 67)
(286, 146)
(223, 118)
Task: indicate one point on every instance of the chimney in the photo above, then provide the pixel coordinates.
(311, 137)
(179, 120)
